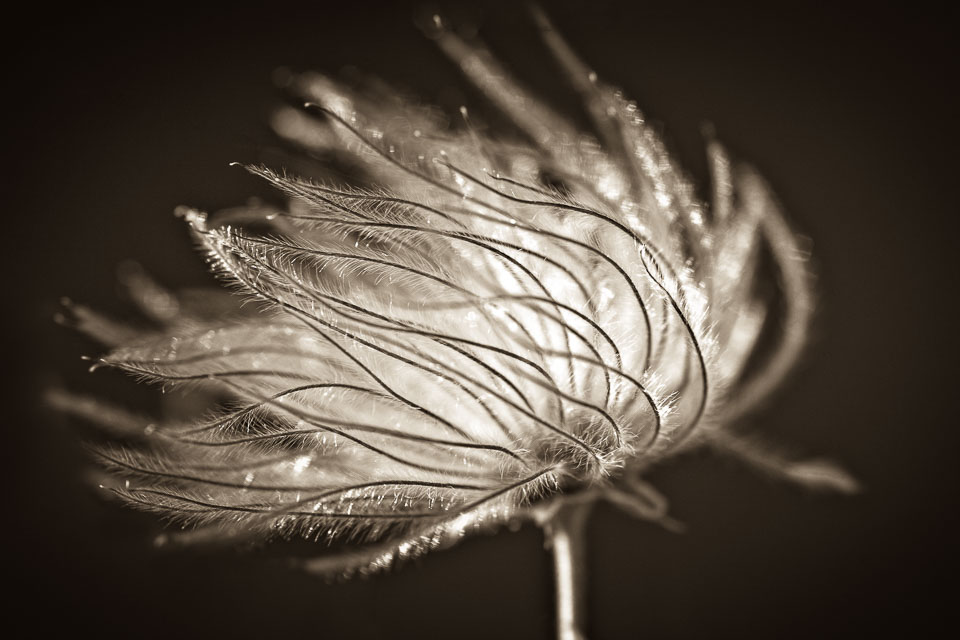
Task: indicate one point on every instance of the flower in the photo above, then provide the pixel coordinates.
(467, 331)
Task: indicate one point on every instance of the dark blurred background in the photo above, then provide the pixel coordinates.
(119, 116)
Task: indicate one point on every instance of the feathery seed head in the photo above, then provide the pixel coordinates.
(470, 329)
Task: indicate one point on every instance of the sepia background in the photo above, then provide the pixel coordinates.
(118, 117)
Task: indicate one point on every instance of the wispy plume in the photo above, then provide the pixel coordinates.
(470, 331)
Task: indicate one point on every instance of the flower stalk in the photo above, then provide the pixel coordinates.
(565, 535)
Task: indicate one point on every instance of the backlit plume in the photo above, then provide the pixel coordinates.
(463, 332)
